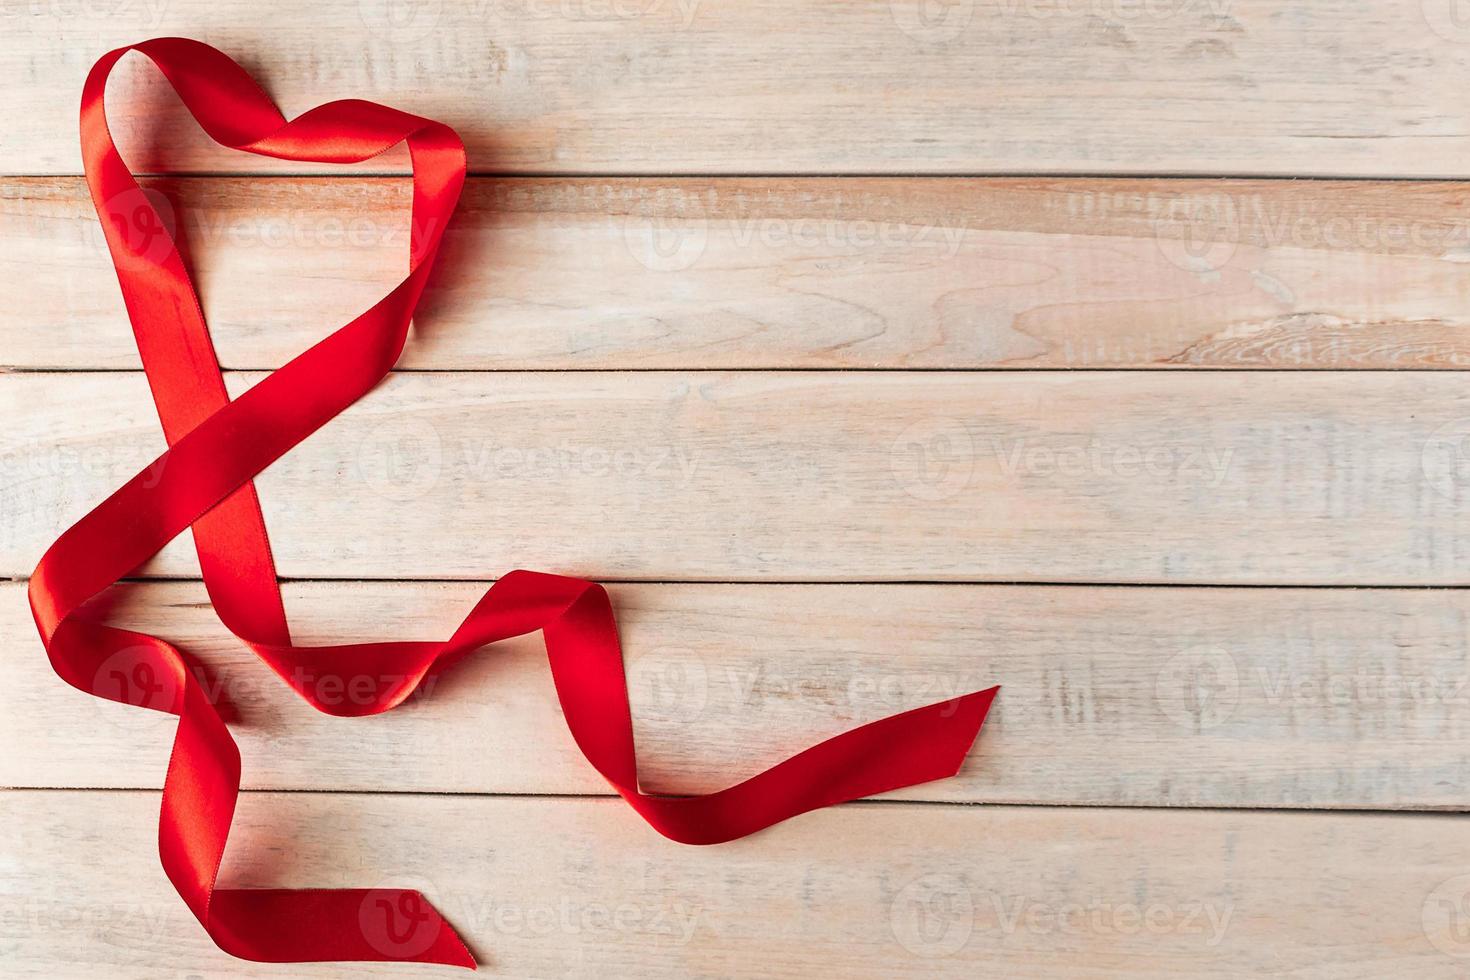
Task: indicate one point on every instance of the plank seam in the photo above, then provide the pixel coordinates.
(956, 583)
(817, 369)
(1446, 813)
(1148, 175)
(42, 372)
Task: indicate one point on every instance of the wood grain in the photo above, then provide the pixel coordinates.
(580, 888)
(705, 486)
(824, 86)
(783, 273)
(1112, 696)
(1311, 478)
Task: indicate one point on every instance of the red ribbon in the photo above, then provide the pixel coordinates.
(203, 481)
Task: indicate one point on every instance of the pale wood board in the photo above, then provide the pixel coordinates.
(782, 273)
(1116, 696)
(1337, 87)
(710, 189)
(578, 887)
(1306, 478)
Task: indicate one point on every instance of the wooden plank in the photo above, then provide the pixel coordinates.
(734, 86)
(1164, 478)
(543, 887)
(1112, 696)
(783, 273)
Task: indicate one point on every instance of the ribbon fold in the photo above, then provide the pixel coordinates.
(204, 482)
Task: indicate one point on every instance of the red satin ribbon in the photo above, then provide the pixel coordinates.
(203, 482)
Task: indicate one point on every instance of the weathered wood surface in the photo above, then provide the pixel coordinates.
(1166, 478)
(827, 86)
(1113, 696)
(783, 273)
(714, 485)
(578, 887)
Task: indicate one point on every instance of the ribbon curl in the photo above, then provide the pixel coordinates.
(204, 482)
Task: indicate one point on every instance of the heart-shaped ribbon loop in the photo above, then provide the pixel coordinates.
(203, 482)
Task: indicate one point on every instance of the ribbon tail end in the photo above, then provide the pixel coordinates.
(970, 710)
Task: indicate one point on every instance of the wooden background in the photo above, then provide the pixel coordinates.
(873, 352)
